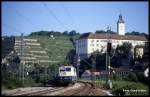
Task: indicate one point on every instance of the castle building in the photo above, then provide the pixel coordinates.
(88, 43)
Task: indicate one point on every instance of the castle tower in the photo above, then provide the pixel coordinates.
(120, 26)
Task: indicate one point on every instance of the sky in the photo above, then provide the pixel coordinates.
(27, 17)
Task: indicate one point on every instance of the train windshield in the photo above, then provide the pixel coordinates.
(68, 69)
(62, 70)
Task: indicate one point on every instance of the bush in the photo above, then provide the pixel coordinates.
(131, 77)
(29, 82)
(117, 78)
(42, 78)
(142, 78)
(11, 83)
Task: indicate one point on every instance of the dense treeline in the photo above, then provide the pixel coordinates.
(138, 33)
(128, 33)
(55, 33)
(74, 32)
(104, 32)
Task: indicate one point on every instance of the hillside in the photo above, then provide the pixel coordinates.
(32, 51)
(57, 48)
(52, 50)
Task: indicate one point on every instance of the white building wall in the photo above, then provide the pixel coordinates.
(81, 46)
(88, 46)
(121, 28)
(96, 45)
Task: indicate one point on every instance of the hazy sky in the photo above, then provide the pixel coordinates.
(27, 17)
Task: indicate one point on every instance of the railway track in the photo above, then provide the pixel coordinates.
(79, 89)
(35, 92)
(41, 92)
(85, 89)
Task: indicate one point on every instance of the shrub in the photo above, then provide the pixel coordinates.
(142, 78)
(131, 77)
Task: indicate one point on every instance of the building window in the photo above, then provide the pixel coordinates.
(93, 49)
(92, 41)
(97, 45)
(97, 40)
(92, 44)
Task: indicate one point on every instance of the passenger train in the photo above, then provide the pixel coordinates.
(67, 74)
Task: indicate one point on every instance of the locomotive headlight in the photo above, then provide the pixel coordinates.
(64, 73)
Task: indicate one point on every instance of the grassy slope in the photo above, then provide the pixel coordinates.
(57, 48)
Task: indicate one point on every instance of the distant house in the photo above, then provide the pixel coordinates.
(86, 75)
(101, 75)
(122, 71)
(52, 36)
(104, 75)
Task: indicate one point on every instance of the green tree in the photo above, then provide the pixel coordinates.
(100, 31)
(142, 78)
(65, 33)
(72, 33)
(131, 77)
(70, 56)
(138, 33)
(104, 32)
(123, 55)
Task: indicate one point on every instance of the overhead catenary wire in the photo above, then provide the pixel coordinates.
(11, 27)
(25, 18)
(29, 20)
(69, 15)
(55, 17)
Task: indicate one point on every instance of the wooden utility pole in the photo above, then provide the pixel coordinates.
(78, 64)
(22, 62)
(108, 54)
(93, 70)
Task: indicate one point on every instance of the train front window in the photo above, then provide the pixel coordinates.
(62, 70)
(68, 69)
